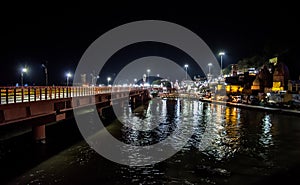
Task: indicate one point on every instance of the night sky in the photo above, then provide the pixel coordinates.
(33, 35)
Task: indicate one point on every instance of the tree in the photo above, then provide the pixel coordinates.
(253, 62)
(243, 64)
(227, 70)
(265, 77)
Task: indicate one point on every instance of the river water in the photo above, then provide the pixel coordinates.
(228, 145)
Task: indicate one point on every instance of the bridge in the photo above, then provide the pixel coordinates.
(37, 106)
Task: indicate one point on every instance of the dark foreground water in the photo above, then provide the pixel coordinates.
(229, 146)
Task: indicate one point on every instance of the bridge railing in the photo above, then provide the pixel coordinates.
(10, 95)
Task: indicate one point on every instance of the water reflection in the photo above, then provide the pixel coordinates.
(223, 134)
(212, 134)
(218, 130)
(228, 146)
(266, 136)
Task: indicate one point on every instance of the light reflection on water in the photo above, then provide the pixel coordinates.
(222, 135)
(266, 136)
(219, 135)
(228, 146)
(213, 135)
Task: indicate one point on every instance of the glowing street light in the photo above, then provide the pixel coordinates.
(221, 55)
(209, 65)
(148, 72)
(24, 70)
(68, 76)
(186, 66)
(108, 79)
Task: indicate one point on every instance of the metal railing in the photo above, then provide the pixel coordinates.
(9, 95)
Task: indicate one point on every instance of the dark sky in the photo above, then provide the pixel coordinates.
(61, 34)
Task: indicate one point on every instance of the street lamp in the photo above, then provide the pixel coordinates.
(108, 79)
(148, 72)
(135, 80)
(97, 79)
(186, 66)
(209, 65)
(221, 55)
(24, 70)
(68, 76)
(46, 73)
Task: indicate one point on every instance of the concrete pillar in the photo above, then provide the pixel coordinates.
(39, 133)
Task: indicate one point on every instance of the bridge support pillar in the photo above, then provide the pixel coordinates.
(39, 133)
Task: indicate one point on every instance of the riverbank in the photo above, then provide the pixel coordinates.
(239, 105)
(254, 107)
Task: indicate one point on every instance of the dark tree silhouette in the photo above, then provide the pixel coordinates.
(265, 78)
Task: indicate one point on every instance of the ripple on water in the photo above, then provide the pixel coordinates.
(228, 146)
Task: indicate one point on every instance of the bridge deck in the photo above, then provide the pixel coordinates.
(10, 95)
(24, 103)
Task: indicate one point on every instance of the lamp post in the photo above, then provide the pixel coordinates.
(148, 72)
(186, 66)
(97, 79)
(221, 56)
(68, 76)
(108, 79)
(209, 65)
(46, 73)
(24, 70)
(144, 79)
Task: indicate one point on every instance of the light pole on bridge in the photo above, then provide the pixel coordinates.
(68, 76)
(24, 70)
(108, 79)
